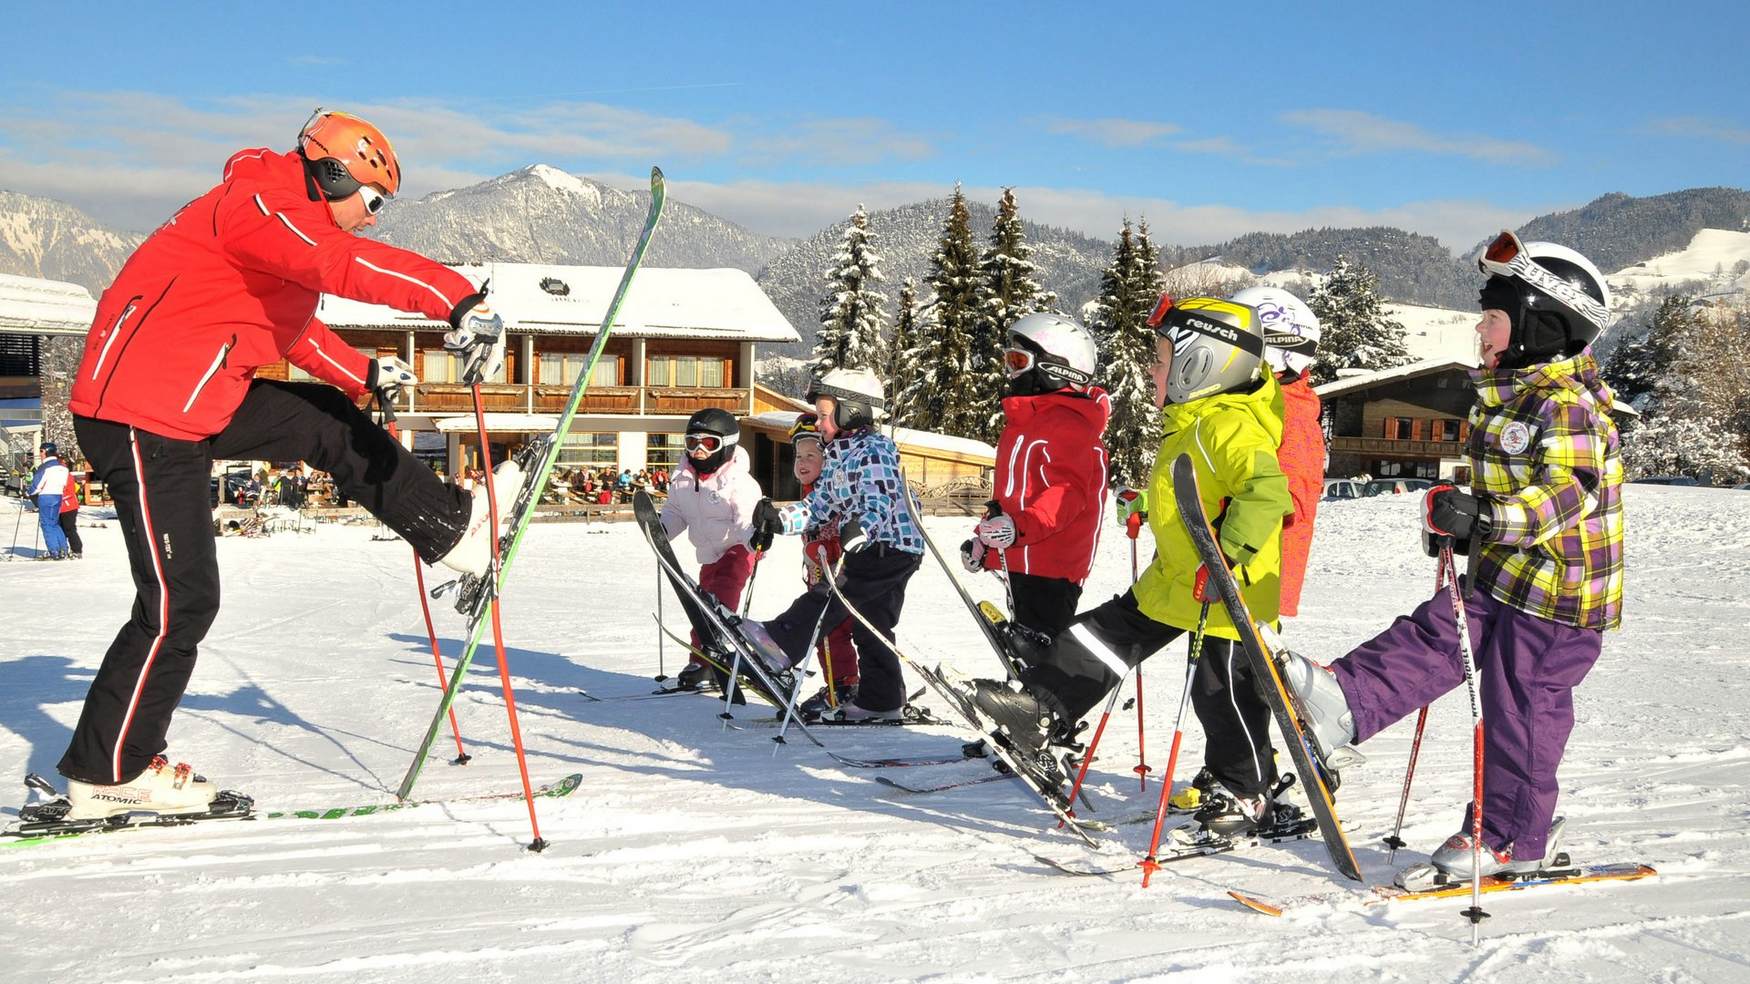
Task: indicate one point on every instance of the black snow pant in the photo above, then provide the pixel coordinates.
(1044, 604)
(874, 580)
(70, 529)
(162, 487)
(1091, 658)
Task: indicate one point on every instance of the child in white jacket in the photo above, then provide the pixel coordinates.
(711, 498)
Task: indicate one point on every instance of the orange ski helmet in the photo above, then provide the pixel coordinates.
(343, 152)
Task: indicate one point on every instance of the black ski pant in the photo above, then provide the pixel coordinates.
(70, 528)
(874, 580)
(1044, 604)
(1092, 656)
(161, 487)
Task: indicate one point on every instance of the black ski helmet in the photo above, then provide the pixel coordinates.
(721, 424)
(1555, 298)
(857, 396)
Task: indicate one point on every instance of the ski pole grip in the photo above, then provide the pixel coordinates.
(992, 508)
(1133, 525)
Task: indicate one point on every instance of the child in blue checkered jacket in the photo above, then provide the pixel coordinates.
(860, 485)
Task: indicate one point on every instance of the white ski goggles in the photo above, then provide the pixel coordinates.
(1507, 257)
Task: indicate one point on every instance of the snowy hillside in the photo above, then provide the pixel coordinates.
(40, 237)
(1715, 262)
(541, 214)
(694, 852)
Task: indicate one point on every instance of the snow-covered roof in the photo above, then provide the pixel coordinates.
(1368, 380)
(556, 299)
(783, 419)
(44, 307)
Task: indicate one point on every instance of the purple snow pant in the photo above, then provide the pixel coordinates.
(1527, 669)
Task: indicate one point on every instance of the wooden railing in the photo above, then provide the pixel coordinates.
(1389, 446)
(514, 398)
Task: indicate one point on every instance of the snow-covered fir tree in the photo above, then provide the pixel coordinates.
(1356, 334)
(1007, 291)
(852, 324)
(1128, 291)
(945, 385)
(1695, 414)
(902, 366)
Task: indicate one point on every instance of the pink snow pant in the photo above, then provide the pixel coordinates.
(724, 579)
(1527, 669)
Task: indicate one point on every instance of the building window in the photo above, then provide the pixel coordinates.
(1446, 430)
(593, 450)
(20, 355)
(686, 370)
(663, 451)
(1398, 428)
(563, 368)
(438, 366)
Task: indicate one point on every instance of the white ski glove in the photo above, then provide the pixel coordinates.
(388, 377)
(972, 556)
(477, 335)
(997, 531)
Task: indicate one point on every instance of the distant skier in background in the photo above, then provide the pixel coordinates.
(47, 484)
(1050, 481)
(69, 518)
(166, 386)
(1542, 527)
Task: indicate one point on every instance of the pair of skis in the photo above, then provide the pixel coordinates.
(46, 823)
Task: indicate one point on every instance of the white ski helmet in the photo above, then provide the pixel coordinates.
(858, 394)
(1048, 352)
(1557, 300)
(1291, 330)
(1217, 347)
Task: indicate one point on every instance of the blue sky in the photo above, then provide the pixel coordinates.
(1211, 120)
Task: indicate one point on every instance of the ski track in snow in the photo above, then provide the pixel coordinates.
(693, 850)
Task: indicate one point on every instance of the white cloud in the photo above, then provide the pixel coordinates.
(844, 141)
(1113, 131)
(1697, 126)
(1356, 132)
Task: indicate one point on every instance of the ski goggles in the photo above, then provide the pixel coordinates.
(1020, 355)
(707, 442)
(1017, 360)
(1508, 257)
(373, 199)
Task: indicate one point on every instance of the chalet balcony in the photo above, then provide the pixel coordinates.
(1391, 447)
(516, 398)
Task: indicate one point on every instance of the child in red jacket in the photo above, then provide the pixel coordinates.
(1050, 485)
(820, 554)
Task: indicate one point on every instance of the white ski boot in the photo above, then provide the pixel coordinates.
(162, 788)
(472, 554)
(1451, 863)
(1323, 707)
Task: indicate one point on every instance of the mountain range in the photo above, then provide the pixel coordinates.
(540, 214)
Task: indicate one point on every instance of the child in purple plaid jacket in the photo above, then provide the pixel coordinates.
(1542, 526)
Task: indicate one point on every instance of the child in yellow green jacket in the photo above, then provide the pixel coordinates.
(1225, 411)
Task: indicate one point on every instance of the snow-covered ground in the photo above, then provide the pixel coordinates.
(692, 852)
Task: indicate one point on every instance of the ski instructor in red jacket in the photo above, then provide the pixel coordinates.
(166, 385)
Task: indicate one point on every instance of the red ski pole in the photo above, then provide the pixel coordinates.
(1396, 840)
(516, 731)
(437, 658)
(1132, 527)
(1151, 863)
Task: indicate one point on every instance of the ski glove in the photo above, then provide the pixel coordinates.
(972, 556)
(997, 531)
(1131, 502)
(477, 335)
(1447, 512)
(768, 520)
(388, 376)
